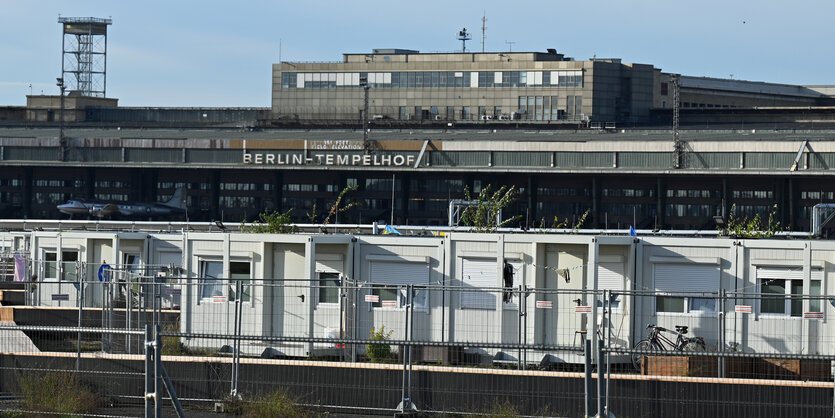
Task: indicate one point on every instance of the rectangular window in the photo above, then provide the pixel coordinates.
(387, 296)
(240, 272)
(211, 284)
(329, 285)
(680, 285)
(69, 268)
(781, 291)
(390, 280)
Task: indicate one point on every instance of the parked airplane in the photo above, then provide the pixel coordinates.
(174, 206)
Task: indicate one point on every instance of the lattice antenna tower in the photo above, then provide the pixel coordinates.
(678, 144)
(464, 36)
(84, 55)
(483, 30)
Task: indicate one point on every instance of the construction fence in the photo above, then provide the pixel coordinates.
(144, 339)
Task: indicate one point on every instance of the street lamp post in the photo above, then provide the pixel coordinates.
(61, 141)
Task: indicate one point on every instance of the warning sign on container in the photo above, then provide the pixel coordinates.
(743, 309)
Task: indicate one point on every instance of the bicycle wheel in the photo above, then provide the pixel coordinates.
(644, 345)
(694, 345)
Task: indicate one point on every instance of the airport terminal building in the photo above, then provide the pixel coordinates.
(623, 177)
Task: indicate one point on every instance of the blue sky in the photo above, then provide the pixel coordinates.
(219, 53)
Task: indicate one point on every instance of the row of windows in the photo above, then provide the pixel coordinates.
(691, 193)
(435, 79)
(57, 183)
(753, 194)
(237, 202)
(116, 184)
(681, 210)
(628, 192)
(562, 191)
(296, 187)
(549, 107)
(777, 297)
(818, 195)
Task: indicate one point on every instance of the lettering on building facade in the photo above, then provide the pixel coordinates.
(365, 160)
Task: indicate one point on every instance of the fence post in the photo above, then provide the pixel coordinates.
(406, 405)
(720, 346)
(355, 322)
(128, 308)
(524, 302)
(157, 372)
(587, 380)
(601, 373)
(235, 344)
(79, 273)
(149, 383)
(607, 318)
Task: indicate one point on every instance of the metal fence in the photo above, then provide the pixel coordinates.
(335, 345)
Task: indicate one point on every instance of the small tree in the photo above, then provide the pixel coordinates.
(482, 216)
(755, 227)
(271, 222)
(379, 353)
(336, 209)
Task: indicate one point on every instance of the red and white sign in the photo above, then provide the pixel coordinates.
(743, 309)
(582, 309)
(173, 292)
(389, 303)
(544, 304)
(812, 315)
(372, 298)
(219, 299)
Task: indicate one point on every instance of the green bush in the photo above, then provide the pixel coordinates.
(59, 392)
(277, 404)
(379, 353)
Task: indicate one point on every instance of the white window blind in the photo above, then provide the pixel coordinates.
(329, 266)
(479, 272)
(610, 276)
(399, 273)
(686, 277)
(786, 273)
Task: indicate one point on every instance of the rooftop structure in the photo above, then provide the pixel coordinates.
(84, 55)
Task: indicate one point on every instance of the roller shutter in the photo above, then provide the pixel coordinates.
(686, 277)
(479, 272)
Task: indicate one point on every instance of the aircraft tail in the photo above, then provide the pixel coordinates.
(178, 199)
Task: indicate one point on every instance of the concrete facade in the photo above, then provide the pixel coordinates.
(464, 86)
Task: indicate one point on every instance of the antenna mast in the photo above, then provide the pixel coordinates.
(483, 30)
(463, 36)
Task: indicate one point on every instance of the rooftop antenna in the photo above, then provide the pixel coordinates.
(510, 45)
(463, 36)
(484, 30)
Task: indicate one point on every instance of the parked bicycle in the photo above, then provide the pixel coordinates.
(663, 339)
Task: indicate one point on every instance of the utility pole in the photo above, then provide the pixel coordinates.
(62, 144)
